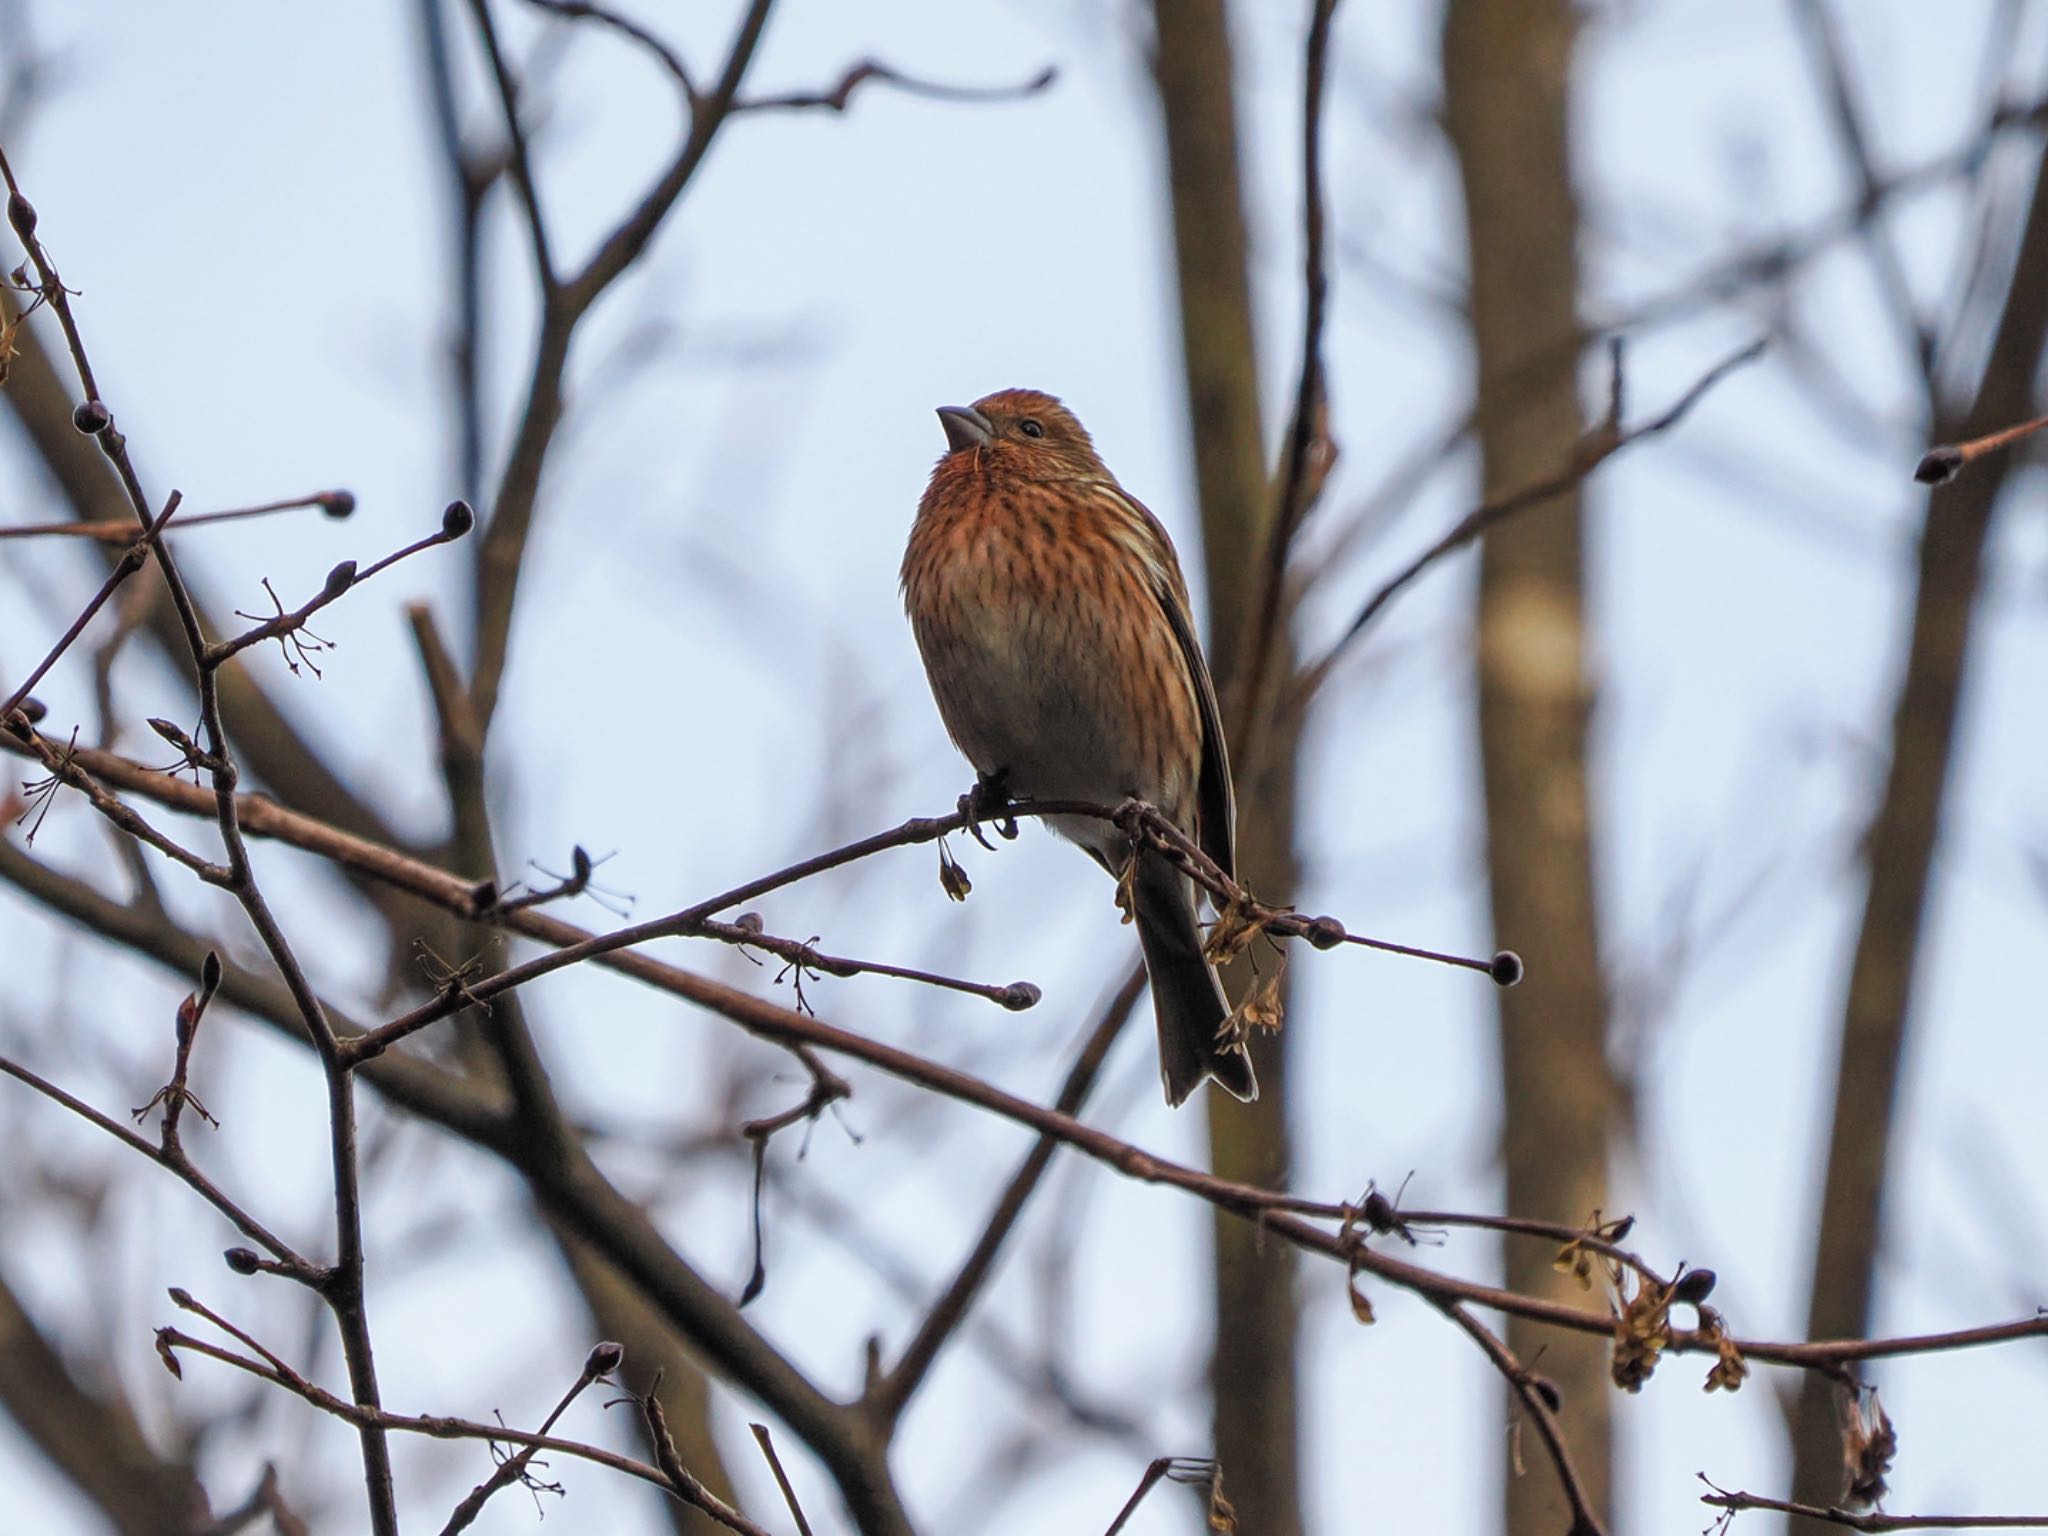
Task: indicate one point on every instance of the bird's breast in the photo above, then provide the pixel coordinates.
(1048, 651)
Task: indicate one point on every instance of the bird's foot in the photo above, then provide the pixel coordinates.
(989, 801)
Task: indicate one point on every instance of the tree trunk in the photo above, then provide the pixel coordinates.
(1507, 72)
(1253, 1371)
(1901, 847)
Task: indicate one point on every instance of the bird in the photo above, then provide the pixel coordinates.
(1053, 620)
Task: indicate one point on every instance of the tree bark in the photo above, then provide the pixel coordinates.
(1507, 73)
(1253, 1372)
(91, 1436)
(1901, 847)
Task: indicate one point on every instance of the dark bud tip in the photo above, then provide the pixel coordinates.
(579, 864)
(243, 1261)
(18, 725)
(21, 213)
(1325, 933)
(1018, 996)
(1693, 1287)
(604, 1359)
(92, 418)
(181, 1297)
(336, 504)
(33, 709)
(457, 520)
(1379, 1212)
(482, 897)
(748, 922)
(1938, 466)
(340, 579)
(1620, 1230)
(1505, 968)
(209, 971)
(1548, 1390)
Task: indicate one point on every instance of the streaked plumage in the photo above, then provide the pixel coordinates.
(1054, 623)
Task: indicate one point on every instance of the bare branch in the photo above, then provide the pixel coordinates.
(1589, 455)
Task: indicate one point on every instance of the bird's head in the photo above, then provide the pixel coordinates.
(1022, 431)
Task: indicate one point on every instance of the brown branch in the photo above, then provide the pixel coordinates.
(170, 1341)
(1902, 844)
(1307, 454)
(767, 1444)
(625, 26)
(1189, 1471)
(86, 1429)
(1817, 29)
(839, 97)
(342, 1286)
(131, 561)
(519, 152)
(61, 764)
(887, 1397)
(410, 1082)
(600, 1362)
(1538, 1405)
(501, 550)
(1596, 449)
(1873, 1520)
(569, 1188)
(121, 530)
(456, 521)
(681, 1481)
(173, 1159)
(599, 1215)
(1775, 262)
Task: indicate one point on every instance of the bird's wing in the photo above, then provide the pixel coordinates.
(1215, 804)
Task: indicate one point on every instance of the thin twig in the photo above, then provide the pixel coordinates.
(1873, 1520)
(1586, 458)
(132, 560)
(600, 1362)
(839, 97)
(1302, 468)
(342, 1285)
(174, 1160)
(767, 1444)
(887, 1397)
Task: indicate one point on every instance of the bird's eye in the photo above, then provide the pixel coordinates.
(1030, 428)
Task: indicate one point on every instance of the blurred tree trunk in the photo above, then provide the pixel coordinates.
(1900, 846)
(1507, 74)
(1253, 1371)
(656, 1361)
(90, 1434)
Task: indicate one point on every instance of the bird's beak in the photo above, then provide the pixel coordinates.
(965, 427)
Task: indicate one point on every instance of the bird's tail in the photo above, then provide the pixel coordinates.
(1185, 992)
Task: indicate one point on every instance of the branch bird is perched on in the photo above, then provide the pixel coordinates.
(1054, 624)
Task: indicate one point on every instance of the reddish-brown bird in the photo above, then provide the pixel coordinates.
(1053, 620)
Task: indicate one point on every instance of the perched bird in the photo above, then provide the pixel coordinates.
(1053, 619)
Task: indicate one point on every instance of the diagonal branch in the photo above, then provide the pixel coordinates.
(1588, 456)
(888, 1397)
